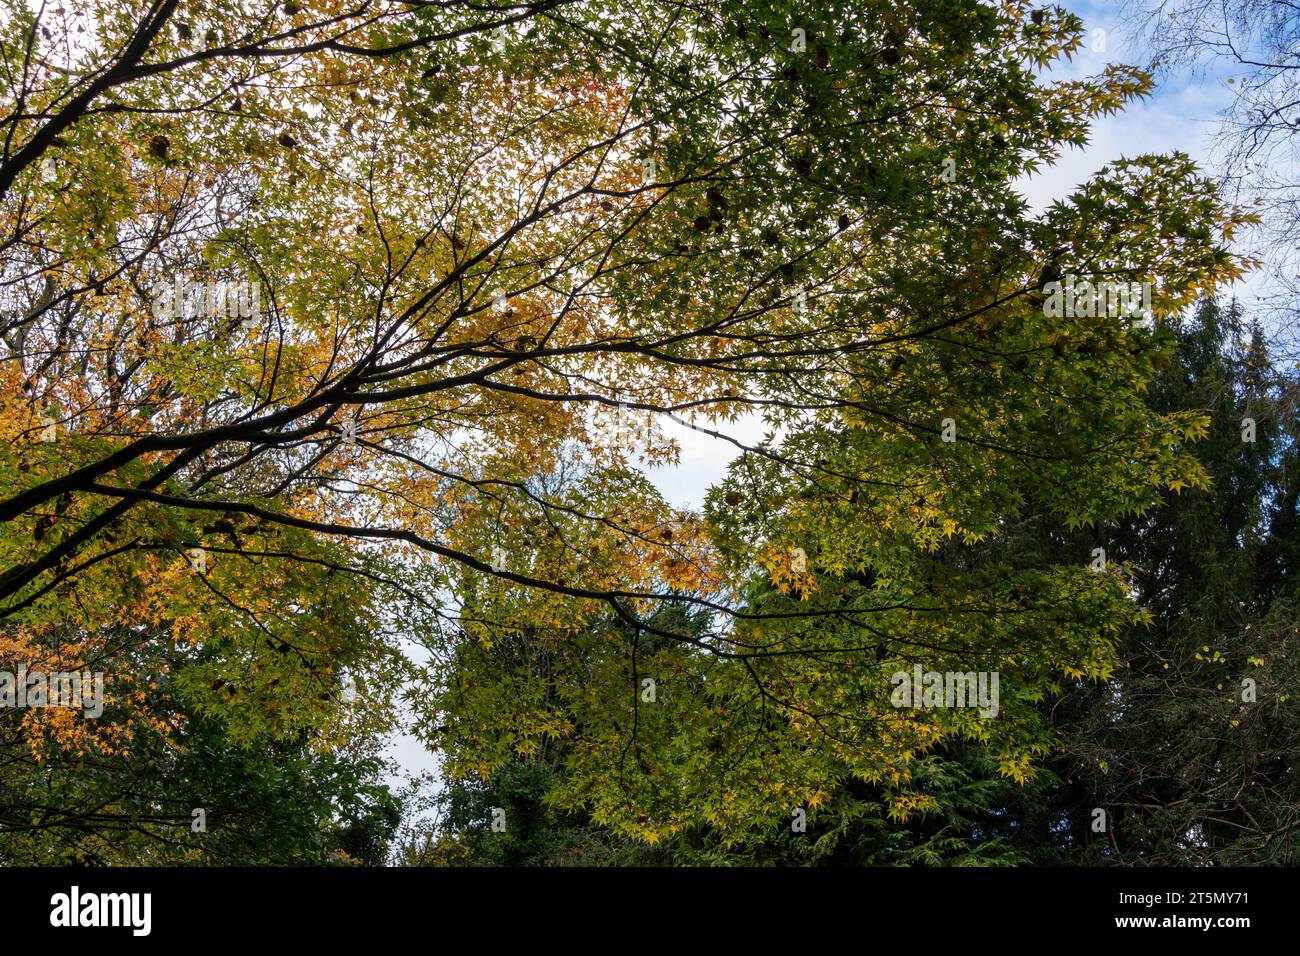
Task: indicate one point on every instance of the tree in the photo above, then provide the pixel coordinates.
(1190, 750)
(1253, 45)
(189, 787)
(1188, 767)
(480, 236)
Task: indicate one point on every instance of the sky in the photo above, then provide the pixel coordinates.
(1180, 115)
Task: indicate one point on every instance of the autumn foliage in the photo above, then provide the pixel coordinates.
(504, 257)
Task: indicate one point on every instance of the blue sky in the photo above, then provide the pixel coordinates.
(1181, 114)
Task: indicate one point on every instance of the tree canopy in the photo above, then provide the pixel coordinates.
(329, 327)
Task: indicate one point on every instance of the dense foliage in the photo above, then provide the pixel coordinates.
(337, 328)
